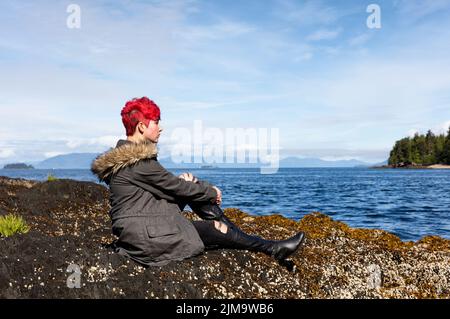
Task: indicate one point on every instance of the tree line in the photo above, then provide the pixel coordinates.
(422, 149)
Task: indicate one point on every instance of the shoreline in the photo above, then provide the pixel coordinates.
(439, 166)
(434, 166)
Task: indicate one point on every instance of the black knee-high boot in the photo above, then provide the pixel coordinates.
(235, 238)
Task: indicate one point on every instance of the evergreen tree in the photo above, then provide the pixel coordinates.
(394, 158)
(418, 149)
(430, 154)
(405, 150)
(439, 149)
(446, 152)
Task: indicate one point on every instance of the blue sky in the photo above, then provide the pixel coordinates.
(334, 88)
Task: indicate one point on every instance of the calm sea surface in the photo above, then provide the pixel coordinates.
(409, 203)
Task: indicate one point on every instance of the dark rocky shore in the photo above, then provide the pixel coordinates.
(70, 225)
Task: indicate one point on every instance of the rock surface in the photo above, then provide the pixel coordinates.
(70, 230)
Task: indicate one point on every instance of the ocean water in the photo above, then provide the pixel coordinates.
(408, 203)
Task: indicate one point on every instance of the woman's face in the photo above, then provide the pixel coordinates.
(152, 131)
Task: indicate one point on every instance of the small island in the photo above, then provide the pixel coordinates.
(208, 167)
(421, 152)
(18, 166)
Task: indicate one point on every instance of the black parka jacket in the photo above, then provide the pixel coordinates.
(146, 201)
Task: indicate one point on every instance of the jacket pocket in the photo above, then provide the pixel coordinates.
(164, 237)
(162, 227)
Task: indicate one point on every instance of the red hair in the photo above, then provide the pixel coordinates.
(139, 110)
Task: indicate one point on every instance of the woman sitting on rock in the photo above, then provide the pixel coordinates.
(147, 200)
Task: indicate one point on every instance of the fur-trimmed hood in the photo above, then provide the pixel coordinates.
(125, 154)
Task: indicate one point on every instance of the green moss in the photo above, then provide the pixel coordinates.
(51, 178)
(12, 224)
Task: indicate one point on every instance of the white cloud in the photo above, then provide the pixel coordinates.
(308, 13)
(412, 132)
(414, 9)
(98, 142)
(201, 105)
(221, 30)
(389, 86)
(138, 33)
(442, 128)
(6, 153)
(52, 154)
(323, 34)
(372, 100)
(360, 39)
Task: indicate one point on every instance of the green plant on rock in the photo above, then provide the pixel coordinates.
(12, 224)
(51, 178)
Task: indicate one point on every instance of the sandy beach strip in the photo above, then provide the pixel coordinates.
(439, 166)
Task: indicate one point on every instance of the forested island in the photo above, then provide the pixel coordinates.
(421, 151)
(18, 166)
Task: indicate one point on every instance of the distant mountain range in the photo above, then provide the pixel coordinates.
(317, 162)
(68, 161)
(381, 163)
(84, 160)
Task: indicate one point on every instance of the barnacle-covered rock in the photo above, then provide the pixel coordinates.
(67, 248)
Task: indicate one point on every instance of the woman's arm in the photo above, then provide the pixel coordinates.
(191, 178)
(151, 172)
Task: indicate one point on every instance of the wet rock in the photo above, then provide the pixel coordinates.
(67, 248)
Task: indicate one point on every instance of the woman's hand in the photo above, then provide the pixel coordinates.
(188, 177)
(219, 195)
